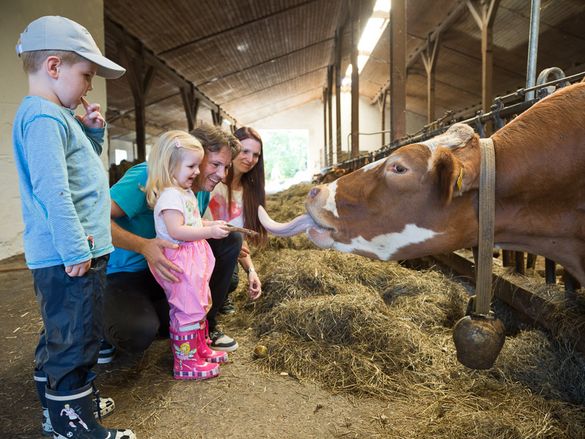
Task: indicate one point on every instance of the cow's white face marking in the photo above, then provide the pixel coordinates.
(430, 162)
(372, 165)
(455, 137)
(386, 245)
(330, 203)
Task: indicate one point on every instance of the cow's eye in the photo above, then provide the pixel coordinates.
(398, 168)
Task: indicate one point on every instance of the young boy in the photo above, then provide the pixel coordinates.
(66, 210)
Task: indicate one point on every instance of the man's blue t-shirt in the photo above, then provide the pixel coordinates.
(128, 194)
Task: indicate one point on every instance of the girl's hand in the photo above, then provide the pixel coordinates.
(78, 270)
(92, 117)
(218, 231)
(254, 286)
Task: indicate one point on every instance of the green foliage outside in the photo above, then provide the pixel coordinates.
(285, 153)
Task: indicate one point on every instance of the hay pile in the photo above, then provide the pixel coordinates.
(285, 206)
(378, 329)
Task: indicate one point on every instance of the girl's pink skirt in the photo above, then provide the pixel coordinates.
(190, 298)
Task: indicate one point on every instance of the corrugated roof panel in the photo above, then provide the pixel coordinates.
(258, 57)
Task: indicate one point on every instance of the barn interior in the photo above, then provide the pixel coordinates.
(241, 62)
(360, 351)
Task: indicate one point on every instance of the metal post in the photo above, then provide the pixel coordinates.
(532, 48)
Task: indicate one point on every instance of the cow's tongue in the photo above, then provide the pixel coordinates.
(294, 227)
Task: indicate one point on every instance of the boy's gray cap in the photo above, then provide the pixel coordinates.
(59, 33)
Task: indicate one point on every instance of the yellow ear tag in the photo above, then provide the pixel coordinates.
(460, 180)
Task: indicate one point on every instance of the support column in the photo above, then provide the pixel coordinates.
(429, 59)
(330, 112)
(338, 79)
(325, 156)
(485, 20)
(191, 105)
(216, 117)
(355, 79)
(398, 69)
(139, 77)
(382, 102)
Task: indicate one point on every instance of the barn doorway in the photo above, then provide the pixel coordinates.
(285, 158)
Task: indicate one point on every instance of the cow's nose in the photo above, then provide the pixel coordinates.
(314, 192)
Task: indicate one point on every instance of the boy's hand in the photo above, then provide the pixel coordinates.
(92, 117)
(78, 270)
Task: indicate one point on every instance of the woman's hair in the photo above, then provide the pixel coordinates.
(164, 158)
(253, 187)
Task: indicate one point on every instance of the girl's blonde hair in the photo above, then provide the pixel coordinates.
(164, 158)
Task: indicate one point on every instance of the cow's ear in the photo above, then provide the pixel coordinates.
(449, 171)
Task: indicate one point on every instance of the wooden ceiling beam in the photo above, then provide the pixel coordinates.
(278, 83)
(256, 109)
(269, 61)
(135, 46)
(452, 16)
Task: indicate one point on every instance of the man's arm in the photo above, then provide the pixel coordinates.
(151, 249)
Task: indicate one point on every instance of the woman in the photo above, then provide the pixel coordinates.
(243, 191)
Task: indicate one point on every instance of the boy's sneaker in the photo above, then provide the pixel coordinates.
(228, 307)
(107, 352)
(222, 342)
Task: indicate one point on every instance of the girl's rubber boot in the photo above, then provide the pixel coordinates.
(106, 405)
(205, 351)
(189, 365)
(71, 413)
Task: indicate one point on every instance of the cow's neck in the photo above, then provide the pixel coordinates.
(540, 190)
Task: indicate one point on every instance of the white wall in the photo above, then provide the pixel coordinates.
(310, 116)
(14, 16)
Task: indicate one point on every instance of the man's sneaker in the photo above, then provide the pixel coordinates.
(107, 352)
(228, 307)
(222, 342)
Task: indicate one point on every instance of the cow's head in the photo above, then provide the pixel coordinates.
(406, 205)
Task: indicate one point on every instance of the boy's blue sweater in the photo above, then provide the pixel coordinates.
(63, 185)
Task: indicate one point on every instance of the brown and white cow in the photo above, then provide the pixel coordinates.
(423, 198)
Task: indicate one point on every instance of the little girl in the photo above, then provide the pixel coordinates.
(173, 165)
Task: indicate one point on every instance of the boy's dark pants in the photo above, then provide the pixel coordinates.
(71, 308)
(136, 307)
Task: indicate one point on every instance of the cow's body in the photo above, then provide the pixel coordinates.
(422, 199)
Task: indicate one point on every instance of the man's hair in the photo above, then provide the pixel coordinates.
(32, 61)
(214, 139)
